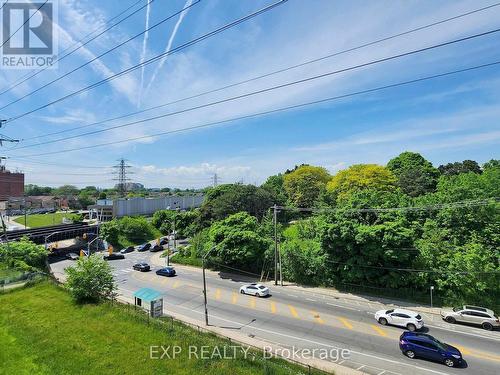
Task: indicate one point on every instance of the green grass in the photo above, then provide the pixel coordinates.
(6, 273)
(42, 331)
(42, 220)
(186, 260)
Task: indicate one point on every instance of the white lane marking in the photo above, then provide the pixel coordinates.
(319, 343)
(344, 307)
(360, 367)
(309, 299)
(464, 333)
(380, 373)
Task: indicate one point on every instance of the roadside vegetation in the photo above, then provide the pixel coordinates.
(41, 331)
(392, 230)
(128, 231)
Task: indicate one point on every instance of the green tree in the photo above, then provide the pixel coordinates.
(229, 199)
(360, 177)
(238, 241)
(66, 191)
(305, 184)
(24, 255)
(460, 167)
(85, 199)
(91, 279)
(275, 185)
(416, 175)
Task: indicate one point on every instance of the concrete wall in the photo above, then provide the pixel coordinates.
(148, 206)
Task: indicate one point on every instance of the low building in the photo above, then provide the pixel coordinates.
(106, 209)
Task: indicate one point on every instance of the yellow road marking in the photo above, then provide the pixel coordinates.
(176, 284)
(345, 322)
(251, 302)
(234, 298)
(293, 311)
(317, 318)
(379, 330)
(217, 294)
(273, 308)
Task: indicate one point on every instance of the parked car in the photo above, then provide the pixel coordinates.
(72, 256)
(484, 317)
(255, 289)
(401, 318)
(114, 256)
(142, 266)
(127, 250)
(156, 248)
(163, 241)
(422, 345)
(144, 247)
(166, 271)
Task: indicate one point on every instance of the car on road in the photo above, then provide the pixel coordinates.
(72, 256)
(142, 266)
(408, 319)
(166, 271)
(127, 250)
(255, 289)
(163, 241)
(144, 247)
(156, 248)
(481, 316)
(114, 256)
(422, 345)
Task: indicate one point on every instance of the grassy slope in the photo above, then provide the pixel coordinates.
(41, 220)
(43, 332)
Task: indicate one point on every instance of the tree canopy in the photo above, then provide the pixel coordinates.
(415, 175)
(305, 184)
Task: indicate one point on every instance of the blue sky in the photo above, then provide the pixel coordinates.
(447, 119)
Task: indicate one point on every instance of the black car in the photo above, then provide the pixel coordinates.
(114, 256)
(166, 271)
(164, 241)
(143, 267)
(127, 250)
(144, 247)
(156, 248)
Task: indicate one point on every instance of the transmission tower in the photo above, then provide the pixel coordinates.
(122, 170)
(216, 180)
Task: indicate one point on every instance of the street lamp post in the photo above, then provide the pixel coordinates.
(89, 243)
(205, 283)
(432, 288)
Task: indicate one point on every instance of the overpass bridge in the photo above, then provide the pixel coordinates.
(56, 232)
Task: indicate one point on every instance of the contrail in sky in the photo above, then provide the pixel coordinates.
(143, 53)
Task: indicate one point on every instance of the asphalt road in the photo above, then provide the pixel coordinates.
(291, 317)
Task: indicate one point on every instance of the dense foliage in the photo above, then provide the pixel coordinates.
(396, 229)
(127, 230)
(23, 255)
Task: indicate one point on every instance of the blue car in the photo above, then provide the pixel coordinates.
(414, 344)
(166, 271)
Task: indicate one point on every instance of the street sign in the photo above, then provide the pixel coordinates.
(157, 308)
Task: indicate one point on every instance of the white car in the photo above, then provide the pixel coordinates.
(399, 317)
(254, 289)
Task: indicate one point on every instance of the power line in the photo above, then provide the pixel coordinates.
(31, 75)
(155, 58)
(29, 161)
(261, 91)
(20, 27)
(100, 56)
(304, 63)
(277, 110)
(458, 204)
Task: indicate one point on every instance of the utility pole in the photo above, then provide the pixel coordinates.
(122, 170)
(216, 180)
(275, 221)
(205, 283)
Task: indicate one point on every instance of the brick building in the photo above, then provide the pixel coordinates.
(11, 184)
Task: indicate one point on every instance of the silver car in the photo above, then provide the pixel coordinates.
(484, 317)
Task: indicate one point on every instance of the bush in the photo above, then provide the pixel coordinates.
(24, 255)
(128, 230)
(90, 280)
